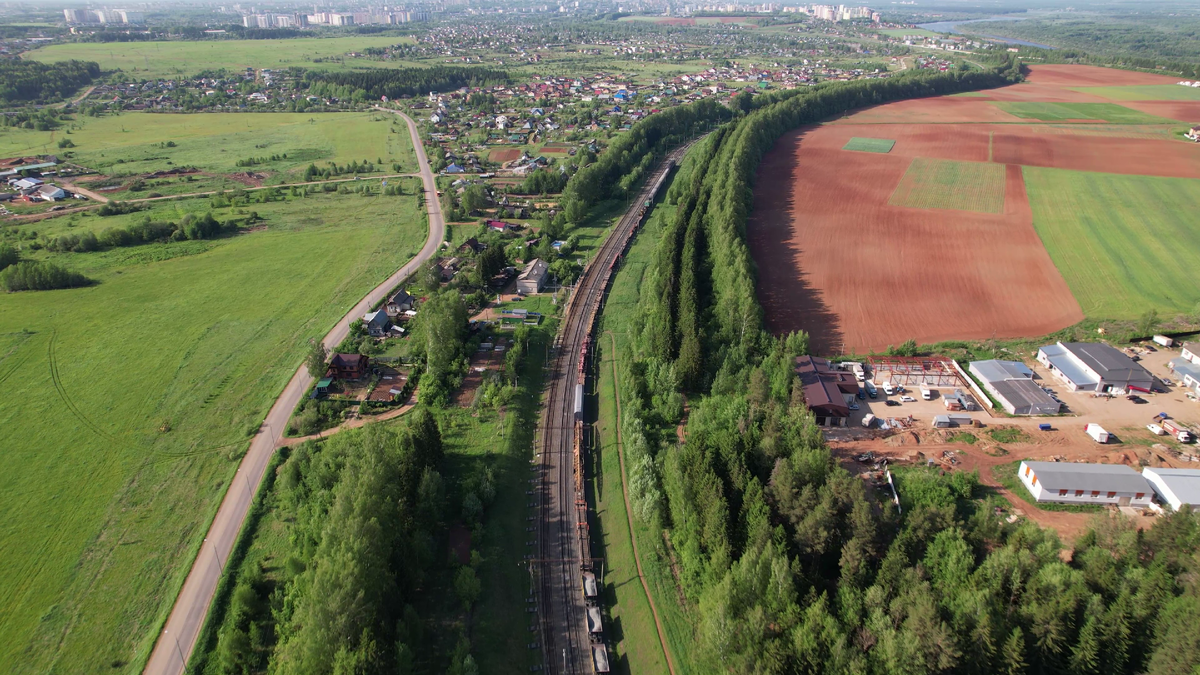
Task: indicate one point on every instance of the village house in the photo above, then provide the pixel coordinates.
(348, 366)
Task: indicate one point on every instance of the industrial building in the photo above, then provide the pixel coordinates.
(1094, 366)
(1187, 372)
(1011, 384)
(1175, 486)
(1071, 483)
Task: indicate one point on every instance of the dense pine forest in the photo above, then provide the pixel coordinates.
(789, 564)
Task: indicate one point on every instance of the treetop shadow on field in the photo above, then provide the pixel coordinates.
(774, 231)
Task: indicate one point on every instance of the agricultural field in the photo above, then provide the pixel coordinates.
(1123, 243)
(943, 184)
(142, 391)
(1043, 202)
(186, 58)
(858, 144)
(140, 143)
(1149, 92)
(1062, 112)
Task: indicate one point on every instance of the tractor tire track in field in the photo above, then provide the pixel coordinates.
(56, 378)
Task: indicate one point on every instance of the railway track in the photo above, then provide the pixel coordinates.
(570, 641)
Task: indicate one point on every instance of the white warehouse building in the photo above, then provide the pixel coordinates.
(1071, 483)
(1175, 486)
(1011, 384)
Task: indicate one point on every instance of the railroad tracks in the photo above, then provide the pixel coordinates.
(572, 639)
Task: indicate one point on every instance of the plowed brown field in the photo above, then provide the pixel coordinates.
(835, 259)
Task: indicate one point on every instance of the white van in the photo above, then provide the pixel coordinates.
(889, 389)
(927, 393)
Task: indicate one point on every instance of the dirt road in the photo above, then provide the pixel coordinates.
(178, 639)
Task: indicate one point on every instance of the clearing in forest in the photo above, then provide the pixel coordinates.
(1123, 243)
(858, 144)
(947, 184)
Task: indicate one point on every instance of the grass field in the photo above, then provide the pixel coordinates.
(184, 58)
(1057, 112)
(901, 32)
(637, 648)
(136, 142)
(1146, 92)
(1124, 244)
(858, 144)
(129, 403)
(947, 184)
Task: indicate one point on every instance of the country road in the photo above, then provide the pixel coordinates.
(178, 639)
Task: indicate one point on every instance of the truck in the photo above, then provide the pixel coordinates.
(1097, 432)
(1180, 432)
(927, 393)
(1163, 340)
(871, 391)
(868, 420)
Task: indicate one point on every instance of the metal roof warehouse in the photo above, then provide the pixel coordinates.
(1093, 366)
(1075, 483)
(1175, 486)
(1011, 383)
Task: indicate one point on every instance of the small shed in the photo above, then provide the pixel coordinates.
(321, 388)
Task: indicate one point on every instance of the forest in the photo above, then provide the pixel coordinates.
(35, 82)
(399, 82)
(1141, 41)
(788, 563)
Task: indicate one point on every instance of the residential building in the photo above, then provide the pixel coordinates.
(1094, 366)
(1076, 483)
(1011, 384)
(399, 303)
(377, 323)
(533, 277)
(1175, 487)
(348, 366)
(827, 391)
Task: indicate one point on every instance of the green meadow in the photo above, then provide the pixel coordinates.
(859, 144)
(1057, 112)
(129, 403)
(1124, 244)
(215, 142)
(1145, 92)
(187, 58)
(947, 184)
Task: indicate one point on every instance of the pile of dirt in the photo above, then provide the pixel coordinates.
(249, 178)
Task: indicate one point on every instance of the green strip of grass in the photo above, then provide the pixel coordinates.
(859, 144)
(1057, 112)
(1146, 92)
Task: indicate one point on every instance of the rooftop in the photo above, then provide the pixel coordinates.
(996, 371)
(1183, 483)
(1112, 365)
(1102, 477)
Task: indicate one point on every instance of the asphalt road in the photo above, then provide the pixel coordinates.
(178, 639)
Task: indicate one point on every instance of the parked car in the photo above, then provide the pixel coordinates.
(891, 402)
(855, 406)
(1135, 398)
(908, 399)
(862, 395)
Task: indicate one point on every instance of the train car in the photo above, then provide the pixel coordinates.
(595, 624)
(600, 658)
(590, 588)
(579, 402)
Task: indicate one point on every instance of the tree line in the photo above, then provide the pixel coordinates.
(399, 82)
(23, 81)
(362, 509)
(790, 564)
